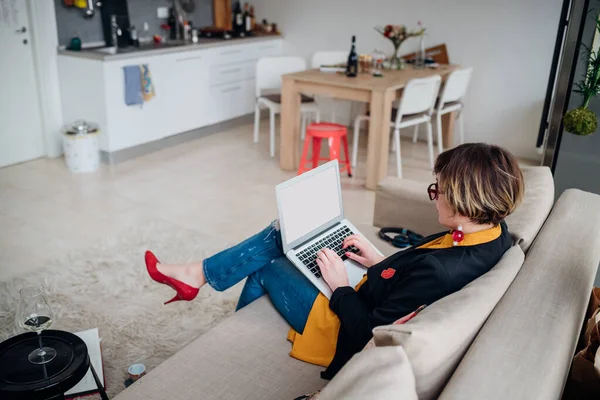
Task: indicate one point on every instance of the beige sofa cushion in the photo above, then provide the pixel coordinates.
(243, 357)
(436, 340)
(378, 373)
(527, 220)
(524, 350)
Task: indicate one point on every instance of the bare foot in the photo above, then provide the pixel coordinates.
(190, 274)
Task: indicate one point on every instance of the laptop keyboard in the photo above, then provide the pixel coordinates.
(334, 241)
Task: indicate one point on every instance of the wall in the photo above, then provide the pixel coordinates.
(509, 43)
(70, 21)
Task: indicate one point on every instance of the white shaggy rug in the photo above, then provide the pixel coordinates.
(107, 286)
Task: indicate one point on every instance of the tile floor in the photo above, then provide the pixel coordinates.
(222, 184)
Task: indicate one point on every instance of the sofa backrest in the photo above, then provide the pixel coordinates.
(402, 202)
(525, 348)
(525, 223)
(437, 339)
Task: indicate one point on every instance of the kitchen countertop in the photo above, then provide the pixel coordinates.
(203, 43)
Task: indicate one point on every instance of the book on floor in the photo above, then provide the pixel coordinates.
(87, 385)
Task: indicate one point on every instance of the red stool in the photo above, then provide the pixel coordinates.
(335, 133)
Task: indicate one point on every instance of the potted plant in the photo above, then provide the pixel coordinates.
(397, 34)
(583, 121)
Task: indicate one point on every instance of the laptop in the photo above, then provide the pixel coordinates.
(311, 217)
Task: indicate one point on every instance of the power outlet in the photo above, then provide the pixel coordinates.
(162, 12)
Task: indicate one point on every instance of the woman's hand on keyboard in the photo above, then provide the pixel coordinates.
(367, 255)
(332, 268)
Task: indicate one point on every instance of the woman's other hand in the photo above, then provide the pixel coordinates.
(367, 255)
(333, 269)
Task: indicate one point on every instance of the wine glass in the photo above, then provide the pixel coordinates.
(35, 314)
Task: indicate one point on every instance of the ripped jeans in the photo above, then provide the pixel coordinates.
(260, 258)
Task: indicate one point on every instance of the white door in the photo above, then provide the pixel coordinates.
(20, 123)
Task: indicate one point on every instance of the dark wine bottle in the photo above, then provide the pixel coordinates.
(352, 66)
(238, 21)
(172, 22)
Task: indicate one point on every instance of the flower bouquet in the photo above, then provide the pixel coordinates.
(397, 34)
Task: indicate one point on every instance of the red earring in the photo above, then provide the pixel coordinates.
(458, 235)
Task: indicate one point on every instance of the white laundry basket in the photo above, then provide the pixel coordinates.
(80, 145)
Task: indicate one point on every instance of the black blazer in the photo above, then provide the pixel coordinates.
(422, 276)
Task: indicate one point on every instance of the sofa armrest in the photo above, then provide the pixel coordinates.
(404, 203)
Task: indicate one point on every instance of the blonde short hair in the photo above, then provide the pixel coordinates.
(480, 181)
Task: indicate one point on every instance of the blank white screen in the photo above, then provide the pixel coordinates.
(310, 203)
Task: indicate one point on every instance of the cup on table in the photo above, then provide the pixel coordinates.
(365, 61)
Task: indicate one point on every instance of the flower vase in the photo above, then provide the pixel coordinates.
(395, 62)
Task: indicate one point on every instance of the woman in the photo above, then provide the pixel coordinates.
(477, 186)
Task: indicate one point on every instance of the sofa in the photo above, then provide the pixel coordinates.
(510, 334)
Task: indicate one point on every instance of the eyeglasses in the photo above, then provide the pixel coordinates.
(433, 191)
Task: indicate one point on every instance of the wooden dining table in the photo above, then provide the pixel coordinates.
(378, 92)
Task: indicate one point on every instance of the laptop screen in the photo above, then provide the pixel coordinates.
(309, 203)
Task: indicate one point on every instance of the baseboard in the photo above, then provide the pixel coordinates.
(129, 153)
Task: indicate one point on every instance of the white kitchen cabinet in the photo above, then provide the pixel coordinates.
(231, 54)
(232, 100)
(267, 49)
(232, 79)
(194, 87)
(132, 125)
(188, 92)
(220, 74)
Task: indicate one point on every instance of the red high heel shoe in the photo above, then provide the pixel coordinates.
(184, 291)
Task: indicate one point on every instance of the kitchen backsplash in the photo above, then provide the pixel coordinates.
(70, 21)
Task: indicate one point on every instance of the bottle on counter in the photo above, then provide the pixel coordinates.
(146, 38)
(133, 37)
(172, 22)
(187, 31)
(252, 18)
(238, 20)
(352, 66)
(247, 20)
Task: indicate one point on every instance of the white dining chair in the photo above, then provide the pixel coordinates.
(329, 57)
(268, 93)
(415, 107)
(450, 100)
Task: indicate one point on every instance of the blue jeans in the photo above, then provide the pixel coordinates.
(260, 258)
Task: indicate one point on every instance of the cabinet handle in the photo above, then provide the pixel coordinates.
(230, 71)
(231, 89)
(230, 52)
(189, 58)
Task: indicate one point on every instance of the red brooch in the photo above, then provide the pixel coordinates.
(388, 273)
(458, 235)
